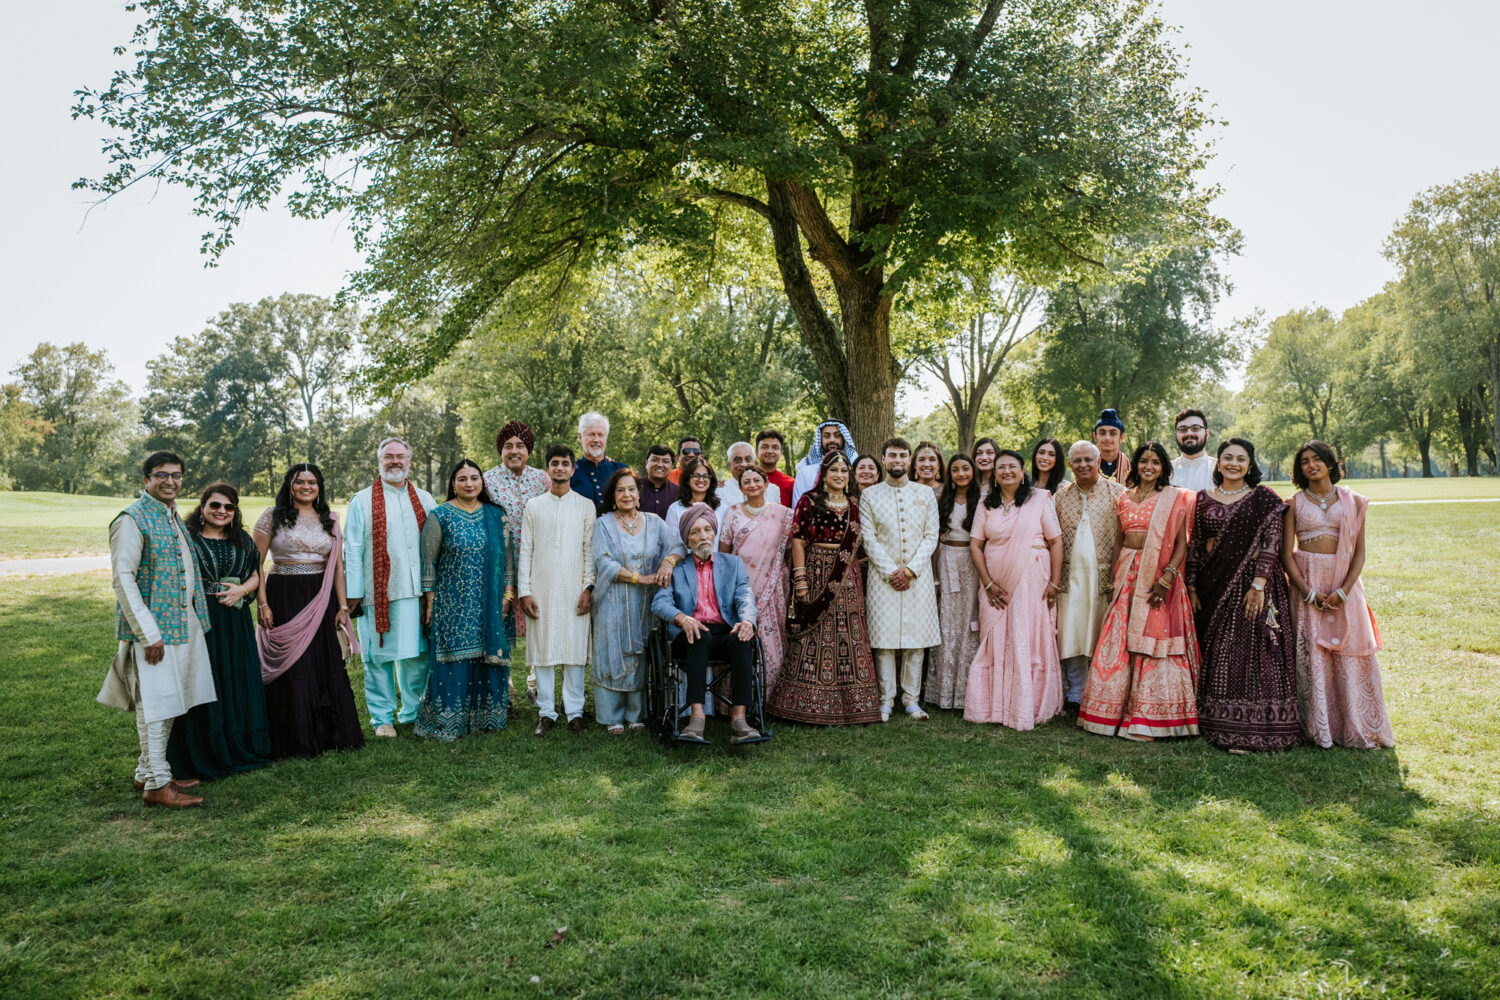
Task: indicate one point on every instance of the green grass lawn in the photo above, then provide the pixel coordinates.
(33, 525)
(911, 860)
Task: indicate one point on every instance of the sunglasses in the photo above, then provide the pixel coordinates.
(220, 505)
(692, 451)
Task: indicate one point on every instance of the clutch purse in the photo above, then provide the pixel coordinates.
(235, 580)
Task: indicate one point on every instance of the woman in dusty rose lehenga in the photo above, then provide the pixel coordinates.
(1339, 692)
(958, 588)
(758, 531)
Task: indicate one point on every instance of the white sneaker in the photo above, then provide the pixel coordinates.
(915, 711)
(386, 730)
(885, 713)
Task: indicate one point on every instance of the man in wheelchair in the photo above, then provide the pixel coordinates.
(710, 612)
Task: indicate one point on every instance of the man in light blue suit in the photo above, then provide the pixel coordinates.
(710, 611)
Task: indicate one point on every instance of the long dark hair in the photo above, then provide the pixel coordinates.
(685, 496)
(928, 445)
(1133, 477)
(286, 507)
(990, 481)
(854, 487)
(1299, 479)
(993, 498)
(819, 492)
(1054, 478)
(235, 532)
(1252, 474)
(484, 493)
(949, 496)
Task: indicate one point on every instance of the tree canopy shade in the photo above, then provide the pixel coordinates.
(480, 147)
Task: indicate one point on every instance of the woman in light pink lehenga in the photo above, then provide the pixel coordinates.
(1338, 679)
(1016, 677)
(757, 531)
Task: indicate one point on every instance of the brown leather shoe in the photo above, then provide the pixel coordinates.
(170, 795)
(578, 725)
(544, 725)
(140, 786)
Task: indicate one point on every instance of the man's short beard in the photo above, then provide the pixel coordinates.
(393, 477)
(704, 552)
(1193, 449)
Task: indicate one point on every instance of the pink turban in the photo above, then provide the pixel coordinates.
(697, 512)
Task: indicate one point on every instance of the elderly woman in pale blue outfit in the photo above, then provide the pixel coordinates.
(463, 604)
(633, 556)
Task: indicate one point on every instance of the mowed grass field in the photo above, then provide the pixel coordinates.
(909, 860)
(34, 525)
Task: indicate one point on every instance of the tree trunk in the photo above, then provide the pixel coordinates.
(1424, 446)
(818, 331)
(1469, 430)
(872, 383)
(1385, 469)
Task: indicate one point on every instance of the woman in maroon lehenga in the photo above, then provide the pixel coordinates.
(1247, 694)
(827, 670)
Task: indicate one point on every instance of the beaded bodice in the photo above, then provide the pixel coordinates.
(1315, 522)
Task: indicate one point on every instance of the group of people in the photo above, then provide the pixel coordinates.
(1149, 597)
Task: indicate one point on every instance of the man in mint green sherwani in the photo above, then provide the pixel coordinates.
(383, 572)
(161, 668)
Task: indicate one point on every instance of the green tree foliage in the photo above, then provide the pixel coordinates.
(1142, 346)
(21, 431)
(483, 149)
(1392, 387)
(658, 361)
(1448, 247)
(86, 420)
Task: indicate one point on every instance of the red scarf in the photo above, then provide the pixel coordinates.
(381, 556)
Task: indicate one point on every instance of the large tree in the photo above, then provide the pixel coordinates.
(89, 418)
(482, 148)
(1448, 246)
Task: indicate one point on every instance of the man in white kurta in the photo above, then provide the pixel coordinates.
(555, 583)
(161, 667)
(1193, 468)
(1090, 522)
(899, 525)
(395, 661)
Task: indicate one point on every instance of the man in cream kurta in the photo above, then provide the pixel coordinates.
(899, 525)
(1090, 522)
(555, 583)
(397, 660)
(161, 667)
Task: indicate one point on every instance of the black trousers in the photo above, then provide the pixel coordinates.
(718, 643)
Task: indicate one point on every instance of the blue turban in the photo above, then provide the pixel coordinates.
(1109, 418)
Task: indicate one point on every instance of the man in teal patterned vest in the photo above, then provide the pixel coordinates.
(161, 668)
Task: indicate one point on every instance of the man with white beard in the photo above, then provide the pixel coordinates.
(594, 469)
(710, 611)
(383, 565)
(1193, 470)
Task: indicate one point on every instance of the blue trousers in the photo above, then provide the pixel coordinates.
(384, 679)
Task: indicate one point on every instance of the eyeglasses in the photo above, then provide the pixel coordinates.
(1191, 427)
(695, 477)
(162, 477)
(217, 505)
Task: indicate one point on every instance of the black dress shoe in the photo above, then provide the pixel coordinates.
(544, 725)
(578, 725)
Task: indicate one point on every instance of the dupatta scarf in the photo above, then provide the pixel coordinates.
(1018, 550)
(1225, 571)
(1351, 630)
(284, 644)
(1167, 628)
(805, 614)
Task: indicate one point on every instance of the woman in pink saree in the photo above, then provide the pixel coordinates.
(1016, 545)
(1143, 679)
(758, 531)
(1323, 551)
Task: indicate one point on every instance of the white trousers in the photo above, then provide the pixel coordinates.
(911, 675)
(151, 768)
(1075, 672)
(572, 692)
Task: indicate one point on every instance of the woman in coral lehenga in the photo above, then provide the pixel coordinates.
(1143, 678)
(1323, 550)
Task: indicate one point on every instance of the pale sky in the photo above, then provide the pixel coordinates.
(1339, 112)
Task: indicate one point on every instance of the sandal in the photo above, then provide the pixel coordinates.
(636, 727)
(616, 730)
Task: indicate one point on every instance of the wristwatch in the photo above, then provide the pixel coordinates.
(1258, 586)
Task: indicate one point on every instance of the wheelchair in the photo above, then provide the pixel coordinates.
(666, 690)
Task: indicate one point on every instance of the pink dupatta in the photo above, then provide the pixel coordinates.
(282, 645)
(1162, 630)
(1352, 631)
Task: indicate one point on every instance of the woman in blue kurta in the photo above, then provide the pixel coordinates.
(633, 556)
(463, 588)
